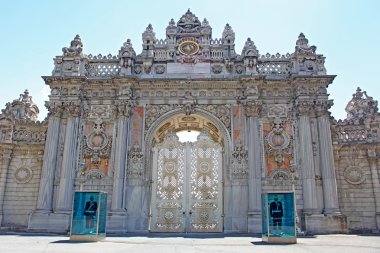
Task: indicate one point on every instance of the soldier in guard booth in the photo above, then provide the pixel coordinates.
(90, 213)
(276, 212)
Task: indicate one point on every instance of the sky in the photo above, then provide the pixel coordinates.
(346, 32)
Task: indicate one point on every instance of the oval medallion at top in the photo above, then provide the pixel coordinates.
(188, 47)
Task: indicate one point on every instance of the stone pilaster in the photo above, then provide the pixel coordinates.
(117, 220)
(39, 219)
(6, 158)
(372, 158)
(252, 112)
(310, 202)
(69, 160)
(45, 194)
(332, 221)
(330, 190)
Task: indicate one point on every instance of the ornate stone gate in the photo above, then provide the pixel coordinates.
(187, 191)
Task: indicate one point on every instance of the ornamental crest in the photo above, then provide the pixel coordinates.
(97, 145)
(278, 143)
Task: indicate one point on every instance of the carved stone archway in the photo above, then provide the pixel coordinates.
(176, 121)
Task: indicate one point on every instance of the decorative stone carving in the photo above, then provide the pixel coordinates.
(99, 111)
(229, 66)
(22, 109)
(171, 29)
(228, 35)
(6, 130)
(205, 28)
(127, 55)
(302, 46)
(72, 109)
(29, 136)
(217, 69)
(96, 151)
(280, 174)
(54, 109)
(160, 69)
(138, 69)
(75, 49)
(239, 69)
(277, 111)
(125, 108)
(135, 163)
(189, 108)
(250, 54)
(361, 105)
(222, 112)
(354, 175)
(147, 67)
(239, 163)
(322, 107)
(304, 107)
(252, 108)
(278, 147)
(188, 23)
(305, 61)
(153, 112)
(23, 175)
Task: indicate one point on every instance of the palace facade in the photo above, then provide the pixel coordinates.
(263, 121)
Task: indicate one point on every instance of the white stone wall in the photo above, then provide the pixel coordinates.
(355, 188)
(22, 184)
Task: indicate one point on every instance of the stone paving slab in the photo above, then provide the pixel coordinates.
(157, 243)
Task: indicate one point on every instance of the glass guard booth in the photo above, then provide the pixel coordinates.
(88, 219)
(278, 217)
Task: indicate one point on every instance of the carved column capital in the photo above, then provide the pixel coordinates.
(55, 109)
(304, 107)
(72, 109)
(125, 108)
(322, 107)
(253, 108)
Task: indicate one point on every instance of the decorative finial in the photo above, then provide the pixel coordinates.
(75, 49)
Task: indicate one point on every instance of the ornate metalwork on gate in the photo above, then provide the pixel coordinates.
(187, 188)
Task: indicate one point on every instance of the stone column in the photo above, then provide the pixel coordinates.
(330, 191)
(123, 122)
(252, 112)
(45, 194)
(6, 158)
(305, 147)
(69, 160)
(372, 158)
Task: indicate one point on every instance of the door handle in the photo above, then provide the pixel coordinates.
(190, 212)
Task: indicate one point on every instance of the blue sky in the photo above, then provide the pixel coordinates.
(347, 33)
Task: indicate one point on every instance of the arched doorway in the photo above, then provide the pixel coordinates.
(187, 188)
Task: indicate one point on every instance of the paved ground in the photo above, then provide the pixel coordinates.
(158, 243)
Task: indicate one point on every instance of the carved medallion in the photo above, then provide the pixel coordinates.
(217, 69)
(188, 47)
(23, 175)
(354, 175)
(160, 69)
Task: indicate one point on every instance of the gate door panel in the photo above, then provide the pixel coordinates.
(187, 188)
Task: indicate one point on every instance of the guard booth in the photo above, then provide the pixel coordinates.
(278, 217)
(88, 219)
